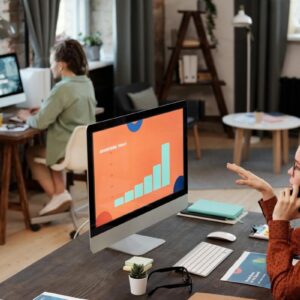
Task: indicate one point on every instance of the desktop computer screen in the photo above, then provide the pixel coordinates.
(137, 170)
(11, 88)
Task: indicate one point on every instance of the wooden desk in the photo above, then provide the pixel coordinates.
(10, 142)
(73, 270)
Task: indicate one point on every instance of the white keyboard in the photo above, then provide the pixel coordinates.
(204, 258)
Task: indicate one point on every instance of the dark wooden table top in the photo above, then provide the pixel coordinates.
(74, 271)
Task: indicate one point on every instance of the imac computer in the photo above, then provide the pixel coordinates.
(37, 85)
(11, 88)
(137, 176)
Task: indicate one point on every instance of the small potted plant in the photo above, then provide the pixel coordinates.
(211, 13)
(92, 44)
(138, 280)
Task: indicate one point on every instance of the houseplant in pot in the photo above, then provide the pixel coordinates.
(92, 44)
(211, 13)
(138, 280)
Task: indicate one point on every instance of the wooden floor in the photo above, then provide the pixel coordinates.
(24, 247)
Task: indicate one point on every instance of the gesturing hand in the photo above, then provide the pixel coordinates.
(287, 205)
(251, 180)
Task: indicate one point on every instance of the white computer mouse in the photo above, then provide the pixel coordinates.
(221, 235)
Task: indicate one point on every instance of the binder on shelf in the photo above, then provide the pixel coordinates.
(186, 69)
(190, 67)
(193, 68)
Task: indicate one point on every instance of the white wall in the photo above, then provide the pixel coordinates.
(291, 66)
(223, 55)
(102, 20)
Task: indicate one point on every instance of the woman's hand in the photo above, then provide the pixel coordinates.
(23, 114)
(287, 205)
(252, 181)
(34, 110)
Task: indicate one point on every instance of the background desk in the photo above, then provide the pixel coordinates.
(73, 270)
(11, 157)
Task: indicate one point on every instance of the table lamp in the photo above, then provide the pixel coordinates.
(243, 21)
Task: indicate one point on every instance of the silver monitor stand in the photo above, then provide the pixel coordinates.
(137, 244)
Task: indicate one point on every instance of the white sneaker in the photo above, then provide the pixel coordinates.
(58, 203)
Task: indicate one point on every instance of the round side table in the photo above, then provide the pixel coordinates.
(244, 123)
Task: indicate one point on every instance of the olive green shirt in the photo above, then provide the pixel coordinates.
(71, 103)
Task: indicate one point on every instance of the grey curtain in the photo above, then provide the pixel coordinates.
(41, 19)
(270, 23)
(134, 42)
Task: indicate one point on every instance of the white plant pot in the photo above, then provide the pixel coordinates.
(93, 53)
(138, 286)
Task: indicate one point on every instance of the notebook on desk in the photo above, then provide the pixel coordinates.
(205, 296)
(216, 208)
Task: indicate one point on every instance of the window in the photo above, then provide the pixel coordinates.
(294, 21)
(73, 18)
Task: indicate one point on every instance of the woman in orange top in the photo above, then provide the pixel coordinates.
(284, 241)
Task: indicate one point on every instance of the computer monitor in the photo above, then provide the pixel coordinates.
(137, 176)
(11, 88)
(37, 85)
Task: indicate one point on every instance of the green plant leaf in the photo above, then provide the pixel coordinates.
(137, 272)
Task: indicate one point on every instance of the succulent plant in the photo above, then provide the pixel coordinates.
(137, 272)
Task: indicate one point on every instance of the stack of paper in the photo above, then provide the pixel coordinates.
(138, 260)
(52, 296)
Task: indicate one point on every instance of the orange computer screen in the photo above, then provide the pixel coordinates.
(136, 164)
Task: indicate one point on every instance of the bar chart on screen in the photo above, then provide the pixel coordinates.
(159, 178)
(139, 171)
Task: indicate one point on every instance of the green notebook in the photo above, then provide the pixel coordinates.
(214, 208)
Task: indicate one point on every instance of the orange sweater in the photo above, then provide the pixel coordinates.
(284, 244)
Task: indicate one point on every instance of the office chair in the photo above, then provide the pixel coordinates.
(124, 105)
(75, 161)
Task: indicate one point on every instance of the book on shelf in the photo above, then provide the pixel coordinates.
(202, 76)
(190, 43)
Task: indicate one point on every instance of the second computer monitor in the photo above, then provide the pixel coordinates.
(11, 88)
(137, 169)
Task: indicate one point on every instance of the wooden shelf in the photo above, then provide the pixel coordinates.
(203, 82)
(191, 11)
(205, 47)
(192, 47)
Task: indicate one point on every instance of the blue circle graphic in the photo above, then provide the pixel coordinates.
(179, 184)
(135, 126)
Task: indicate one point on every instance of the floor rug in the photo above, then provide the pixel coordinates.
(210, 171)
